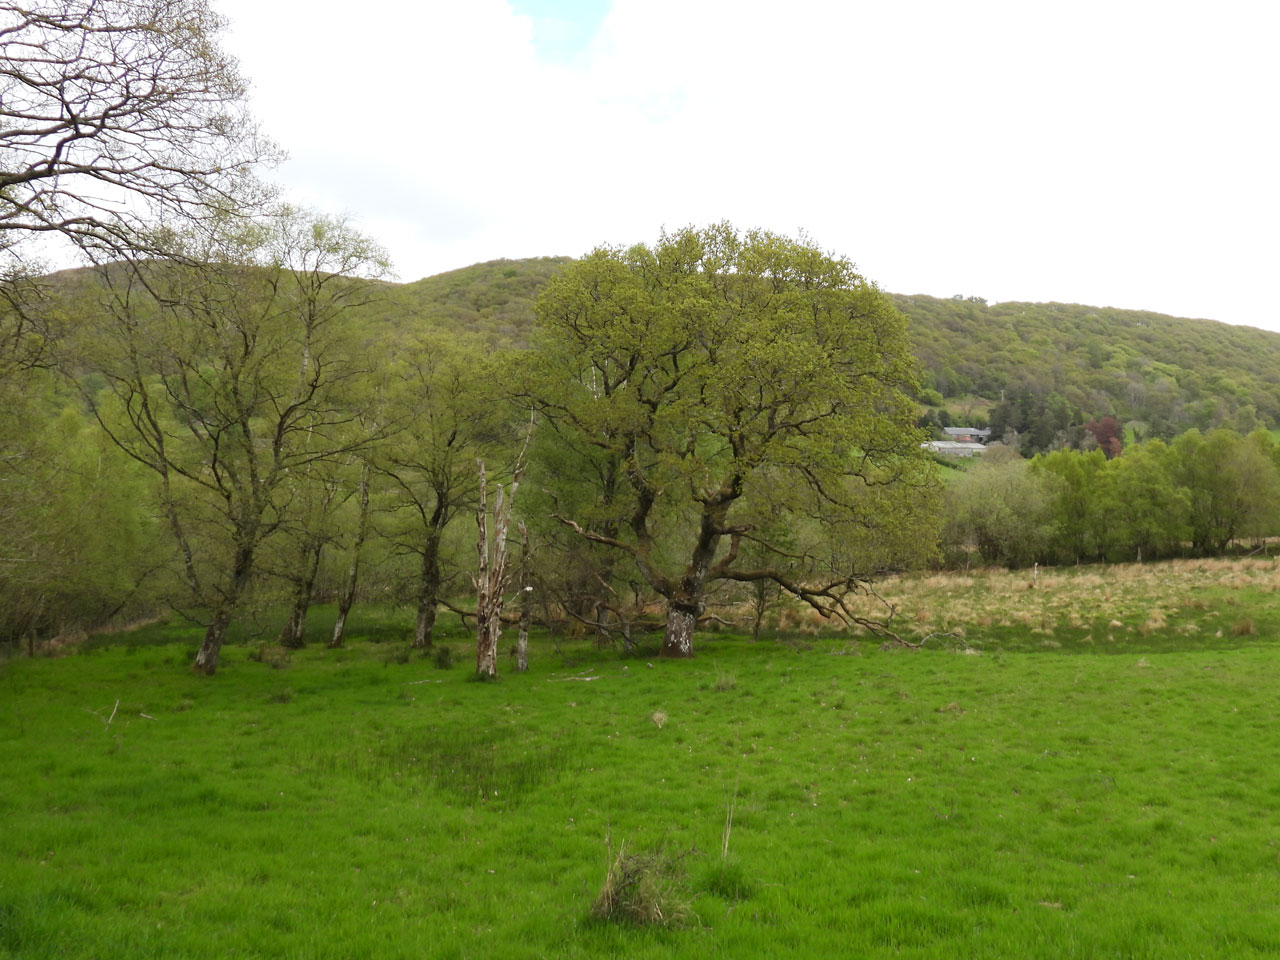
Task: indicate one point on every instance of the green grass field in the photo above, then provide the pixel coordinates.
(1108, 793)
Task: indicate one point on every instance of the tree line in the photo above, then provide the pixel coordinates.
(703, 421)
(1196, 496)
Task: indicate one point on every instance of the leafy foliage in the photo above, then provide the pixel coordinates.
(722, 381)
(1156, 500)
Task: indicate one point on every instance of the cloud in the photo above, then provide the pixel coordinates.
(1117, 154)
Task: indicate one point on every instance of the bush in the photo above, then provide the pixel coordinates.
(443, 658)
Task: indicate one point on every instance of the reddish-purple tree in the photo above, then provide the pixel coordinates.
(1109, 434)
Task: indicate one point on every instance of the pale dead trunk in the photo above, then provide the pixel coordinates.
(487, 648)
(348, 595)
(491, 574)
(340, 625)
(526, 603)
(488, 624)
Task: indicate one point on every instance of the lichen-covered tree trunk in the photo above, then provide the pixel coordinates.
(678, 639)
(214, 634)
(688, 601)
(347, 597)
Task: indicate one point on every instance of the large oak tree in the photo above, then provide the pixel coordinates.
(725, 387)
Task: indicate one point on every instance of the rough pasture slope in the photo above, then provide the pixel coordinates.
(1112, 798)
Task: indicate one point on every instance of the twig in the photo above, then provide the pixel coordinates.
(146, 716)
(567, 679)
(113, 713)
(728, 824)
(415, 682)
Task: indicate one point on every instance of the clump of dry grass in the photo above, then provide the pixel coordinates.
(1243, 628)
(1131, 599)
(1155, 621)
(644, 890)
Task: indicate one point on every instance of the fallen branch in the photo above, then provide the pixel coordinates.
(412, 683)
(895, 639)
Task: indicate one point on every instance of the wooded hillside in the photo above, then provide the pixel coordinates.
(1056, 366)
(1168, 373)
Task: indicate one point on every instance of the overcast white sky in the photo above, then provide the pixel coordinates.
(1119, 153)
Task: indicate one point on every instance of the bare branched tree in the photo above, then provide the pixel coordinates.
(230, 378)
(118, 116)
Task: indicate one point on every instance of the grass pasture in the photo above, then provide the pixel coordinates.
(1035, 788)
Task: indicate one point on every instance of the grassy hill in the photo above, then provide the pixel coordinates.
(494, 299)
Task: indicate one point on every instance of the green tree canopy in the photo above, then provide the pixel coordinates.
(720, 382)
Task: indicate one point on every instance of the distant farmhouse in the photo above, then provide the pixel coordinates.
(960, 442)
(967, 434)
(952, 448)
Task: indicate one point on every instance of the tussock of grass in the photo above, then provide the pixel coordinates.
(724, 680)
(644, 890)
